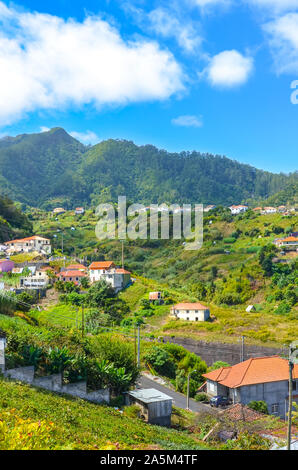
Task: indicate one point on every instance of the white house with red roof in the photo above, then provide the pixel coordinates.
(79, 210)
(194, 311)
(35, 243)
(257, 379)
(118, 278)
(238, 209)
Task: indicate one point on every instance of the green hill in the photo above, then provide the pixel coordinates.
(52, 168)
(13, 222)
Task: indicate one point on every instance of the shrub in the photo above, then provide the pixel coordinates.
(260, 406)
(201, 397)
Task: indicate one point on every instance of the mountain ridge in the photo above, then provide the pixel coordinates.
(53, 168)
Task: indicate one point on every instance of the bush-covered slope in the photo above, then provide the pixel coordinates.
(13, 222)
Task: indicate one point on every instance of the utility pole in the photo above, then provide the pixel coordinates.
(242, 349)
(83, 321)
(291, 366)
(187, 395)
(122, 254)
(139, 348)
(135, 342)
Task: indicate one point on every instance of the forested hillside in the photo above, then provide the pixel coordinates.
(13, 222)
(52, 168)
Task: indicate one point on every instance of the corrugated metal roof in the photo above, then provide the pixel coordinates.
(149, 395)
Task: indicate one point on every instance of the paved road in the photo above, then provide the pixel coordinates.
(179, 400)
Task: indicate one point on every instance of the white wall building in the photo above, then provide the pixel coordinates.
(107, 270)
(191, 311)
(40, 244)
(238, 209)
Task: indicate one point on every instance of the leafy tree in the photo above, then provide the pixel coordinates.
(161, 361)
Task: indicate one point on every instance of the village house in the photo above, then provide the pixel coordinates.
(191, 311)
(58, 210)
(209, 208)
(257, 379)
(26, 245)
(155, 297)
(269, 210)
(118, 278)
(290, 241)
(282, 209)
(257, 209)
(79, 210)
(6, 265)
(71, 276)
(77, 267)
(238, 209)
(38, 280)
(98, 268)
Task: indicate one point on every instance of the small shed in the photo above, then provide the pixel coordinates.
(156, 407)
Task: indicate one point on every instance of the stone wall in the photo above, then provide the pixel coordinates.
(230, 353)
(54, 383)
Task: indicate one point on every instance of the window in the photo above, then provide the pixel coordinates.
(197, 319)
(295, 385)
(275, 408)
(187, 318)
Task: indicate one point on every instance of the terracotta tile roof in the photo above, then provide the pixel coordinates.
(290, 239)
(101, 265)
(76, 267)
(190, 306)
(253, 371)
(35, 237)
(122, 271)
(74, 273)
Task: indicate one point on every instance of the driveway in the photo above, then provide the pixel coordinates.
(179, 399)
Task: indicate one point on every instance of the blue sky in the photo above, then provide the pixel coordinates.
(207, 75)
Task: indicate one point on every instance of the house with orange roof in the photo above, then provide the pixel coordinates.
(156, 297)
(73, 275)
(118, 278)
(191, 311)
(238, 209)
(269, 210)
(291, 241)
(257, 379)
(29, 244)
(79, 210)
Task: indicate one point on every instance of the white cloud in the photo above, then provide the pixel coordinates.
(205, 4)
(164, 23)
(87, 137)
(283, 40)
(276, 6)
(229, 69)
(188, 121)
(47, 62)
(44, 129)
